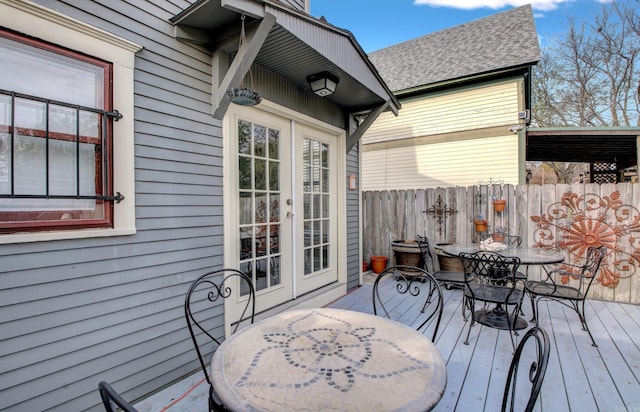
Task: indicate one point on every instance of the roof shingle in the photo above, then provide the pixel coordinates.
(503, 40)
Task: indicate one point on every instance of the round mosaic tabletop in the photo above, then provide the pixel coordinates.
(328, 359)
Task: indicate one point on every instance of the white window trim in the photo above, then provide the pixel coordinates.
(26, 17)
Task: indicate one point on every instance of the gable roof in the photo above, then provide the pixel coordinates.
(502, 41)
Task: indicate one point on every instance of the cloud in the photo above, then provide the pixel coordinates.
(544, 5)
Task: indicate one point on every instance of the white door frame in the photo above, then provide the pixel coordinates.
(229, 165)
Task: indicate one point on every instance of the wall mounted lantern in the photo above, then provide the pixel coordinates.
(323, 84)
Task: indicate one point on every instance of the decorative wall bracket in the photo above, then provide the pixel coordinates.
(439, 211)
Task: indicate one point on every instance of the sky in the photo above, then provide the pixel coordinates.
(377, 24)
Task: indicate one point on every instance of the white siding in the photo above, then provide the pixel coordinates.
(461, 163)
(477, 107)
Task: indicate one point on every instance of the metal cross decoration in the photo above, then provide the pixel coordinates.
(439, 211)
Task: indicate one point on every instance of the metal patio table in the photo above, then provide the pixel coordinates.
(497, 316)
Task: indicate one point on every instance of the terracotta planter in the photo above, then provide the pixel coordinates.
(378, 264)
(365, 266)
(499, 205)
(481, 225)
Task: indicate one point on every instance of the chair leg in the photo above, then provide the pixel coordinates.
(512, 327)
(472, 322)
(534, 308)
(583, 320)
(516, 312)
(464, 307)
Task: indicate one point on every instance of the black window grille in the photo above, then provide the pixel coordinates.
(105, 156)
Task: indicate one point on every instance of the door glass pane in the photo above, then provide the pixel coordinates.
(274, 175)
(261, 241)
(276, 277)
(261, 207)
(244, 172)
(245, 208)
(316, 186)
(260, 174)
(274, 239)
(259, 202)
(274, 141)
(260, 140)
(244, 137)
(246, 243)
(307, 205)
(308, 263)
(325, 155)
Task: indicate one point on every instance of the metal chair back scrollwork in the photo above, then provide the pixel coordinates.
(400, 290)
(204, 299)
(533, 347)
(514, 241)
(110, 397)
(491, 278)
(568, 285)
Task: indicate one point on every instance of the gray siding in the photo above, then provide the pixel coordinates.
(75, 312)
(354, 265)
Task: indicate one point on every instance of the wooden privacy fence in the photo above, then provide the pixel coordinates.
(566, 217)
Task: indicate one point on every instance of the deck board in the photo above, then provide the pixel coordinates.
(579, 377)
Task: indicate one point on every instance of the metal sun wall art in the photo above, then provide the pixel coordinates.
(439, 211)
(577, 222)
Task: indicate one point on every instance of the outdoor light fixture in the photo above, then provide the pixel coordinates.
(323, 84)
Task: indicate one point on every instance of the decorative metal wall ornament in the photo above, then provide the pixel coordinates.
(244, 96)
(579, 221)
(439, 211)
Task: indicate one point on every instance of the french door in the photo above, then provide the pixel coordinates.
(316, 200)
(281, 204)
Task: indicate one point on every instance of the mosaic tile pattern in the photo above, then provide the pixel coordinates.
(328, 359)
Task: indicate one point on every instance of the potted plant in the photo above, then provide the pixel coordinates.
(378, 264)
(499, 205)
(481, 224)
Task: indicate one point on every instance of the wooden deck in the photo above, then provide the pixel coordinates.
(579, 377)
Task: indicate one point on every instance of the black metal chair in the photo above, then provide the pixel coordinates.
(110, 396)
(568, 285)
(514, 241)
(490, 278)
(204, 301)
(538, 340)
(449, 278)
(413, 283)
